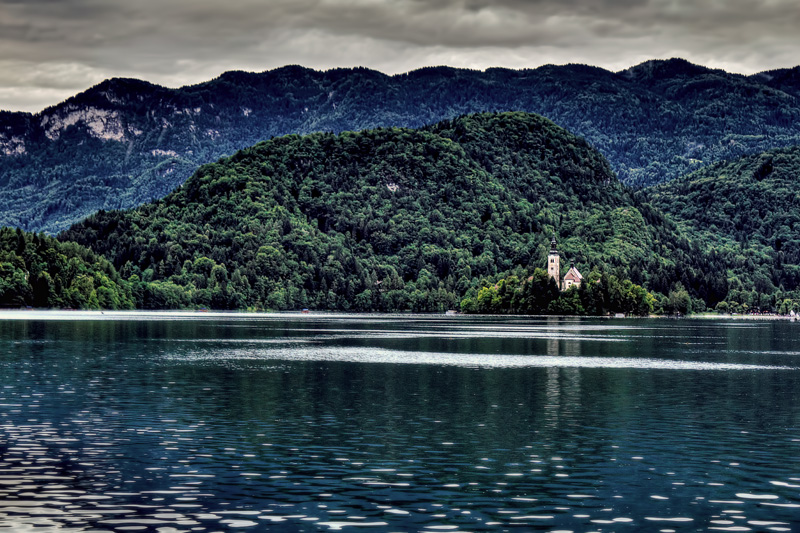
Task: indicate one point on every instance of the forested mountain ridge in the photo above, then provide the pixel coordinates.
(748, 209)
(394, 219)
(785, 79)
(125, 142)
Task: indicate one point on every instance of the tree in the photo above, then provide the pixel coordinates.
(679, 300)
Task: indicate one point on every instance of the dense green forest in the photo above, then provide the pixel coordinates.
(126, 142)
(37, 270)
(748, 211)
(395, 219)
(599, 294)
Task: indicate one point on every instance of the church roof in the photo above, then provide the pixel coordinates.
(573, 275)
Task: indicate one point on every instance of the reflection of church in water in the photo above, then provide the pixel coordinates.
(573, 277)
(562, 386)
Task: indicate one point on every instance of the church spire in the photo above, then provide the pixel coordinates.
(554, 262)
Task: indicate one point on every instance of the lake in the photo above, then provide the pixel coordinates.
(209, 422)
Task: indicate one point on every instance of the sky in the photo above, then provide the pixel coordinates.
(53, 49)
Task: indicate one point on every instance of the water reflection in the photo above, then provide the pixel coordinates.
(295, 424)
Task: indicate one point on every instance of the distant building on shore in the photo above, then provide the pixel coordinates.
(554, 262)
(573, 277)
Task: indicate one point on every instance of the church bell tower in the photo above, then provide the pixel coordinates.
(554, 262)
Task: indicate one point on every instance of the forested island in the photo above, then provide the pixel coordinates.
(456, 215)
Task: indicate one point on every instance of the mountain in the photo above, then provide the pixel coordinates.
(394, 219)
(125, 142)
(786, 79)
(748, 211)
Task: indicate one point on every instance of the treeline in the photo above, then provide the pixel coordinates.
(39, 271)
(599, 294)
(421, 220)
(393, 219)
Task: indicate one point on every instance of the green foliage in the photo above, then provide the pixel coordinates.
(537, 294)
(787, 305)
(653, 122)
(747, 212)
(678, 302)
(39, 271)
(391, 219)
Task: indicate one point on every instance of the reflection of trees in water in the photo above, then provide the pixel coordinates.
(565, 347)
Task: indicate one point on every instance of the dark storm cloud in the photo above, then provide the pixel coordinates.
(52, 45)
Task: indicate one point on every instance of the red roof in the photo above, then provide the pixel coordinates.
(573, 275)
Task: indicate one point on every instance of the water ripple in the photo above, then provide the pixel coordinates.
(238, 424)
(384, 356)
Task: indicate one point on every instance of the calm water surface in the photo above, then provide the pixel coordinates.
(136, 422)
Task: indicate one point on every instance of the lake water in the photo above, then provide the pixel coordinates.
(199, 422)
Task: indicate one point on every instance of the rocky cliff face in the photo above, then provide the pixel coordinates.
(11, 146)
(99, 123)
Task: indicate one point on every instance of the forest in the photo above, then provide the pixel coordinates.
(39, 271)
(748, 211)
(393, 219)
(127, 142)
(600, 294)
(456, 215)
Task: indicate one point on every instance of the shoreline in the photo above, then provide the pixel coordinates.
(178, 314)
(701, 316)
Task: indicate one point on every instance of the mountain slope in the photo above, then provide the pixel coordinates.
(785, 79)
(36, 270)
(394, 219)
(125, 142)
(749, 210)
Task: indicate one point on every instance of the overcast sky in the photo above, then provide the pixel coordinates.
(52, 49)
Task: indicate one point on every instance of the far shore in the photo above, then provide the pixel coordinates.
(743, 317)
(195, 314)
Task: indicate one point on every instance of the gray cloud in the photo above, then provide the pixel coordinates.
(59, 47)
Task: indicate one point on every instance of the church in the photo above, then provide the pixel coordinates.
(573, 277)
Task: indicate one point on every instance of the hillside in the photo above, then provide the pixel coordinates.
(394, 219)
(785, 79)
(36, 270)
(125, 142)
(749, 211)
